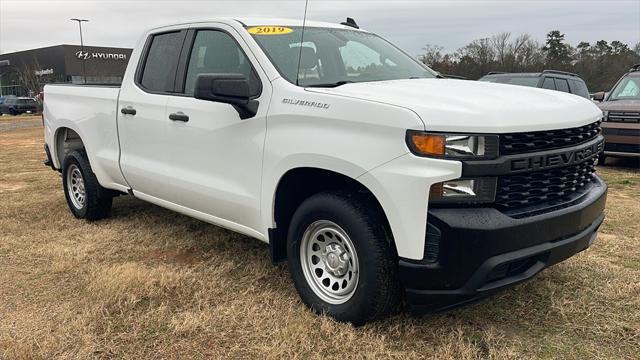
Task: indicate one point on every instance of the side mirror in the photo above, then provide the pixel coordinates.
(230, 89)
(599, 96)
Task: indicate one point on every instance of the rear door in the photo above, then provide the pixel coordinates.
(216, 157)
(145, 133)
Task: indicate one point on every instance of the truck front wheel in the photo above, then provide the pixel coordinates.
(85, 197)
(340, 258)
(602, 158)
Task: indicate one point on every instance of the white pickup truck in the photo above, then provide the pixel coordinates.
(380, 182)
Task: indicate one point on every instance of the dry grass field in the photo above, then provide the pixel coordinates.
(149, 283)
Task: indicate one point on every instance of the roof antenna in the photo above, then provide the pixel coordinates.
(304, 22)
(350, 22)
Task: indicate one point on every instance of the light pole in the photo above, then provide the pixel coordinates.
(3, 63)
(84, 74)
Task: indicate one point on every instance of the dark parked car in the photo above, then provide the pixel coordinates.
(548, 79)
(621, 110)
(20, 105)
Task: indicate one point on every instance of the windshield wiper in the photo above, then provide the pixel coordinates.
(332, 85)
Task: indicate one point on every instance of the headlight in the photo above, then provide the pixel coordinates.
(605, 114)
(453, 146)
(477, 190)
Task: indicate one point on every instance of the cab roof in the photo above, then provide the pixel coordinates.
(291, 22)
(248, 22)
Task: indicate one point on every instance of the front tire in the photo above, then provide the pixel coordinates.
(602, 159)
(341, 260)
(85, 197)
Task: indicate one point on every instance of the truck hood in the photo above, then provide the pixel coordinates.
(620, 105)
(472, 106)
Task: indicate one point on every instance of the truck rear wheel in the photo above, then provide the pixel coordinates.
(340, 258)
(85, 197)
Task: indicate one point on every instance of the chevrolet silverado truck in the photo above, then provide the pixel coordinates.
(380, 184)
(621, 117)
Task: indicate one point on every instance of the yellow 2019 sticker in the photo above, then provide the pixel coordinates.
(269, 30)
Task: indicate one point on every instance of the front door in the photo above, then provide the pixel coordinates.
(214, 158)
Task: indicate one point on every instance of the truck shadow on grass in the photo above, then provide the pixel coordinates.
(188, 280)
(181, 241)
(623, 163)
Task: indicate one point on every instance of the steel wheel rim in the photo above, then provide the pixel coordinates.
(329, 262)
(75, 186)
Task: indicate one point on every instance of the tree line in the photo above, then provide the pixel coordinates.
(600, 64)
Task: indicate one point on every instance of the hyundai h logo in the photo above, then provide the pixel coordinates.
(82, 55)
(85, 55)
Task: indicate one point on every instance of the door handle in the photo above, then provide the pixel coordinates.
(128, 110)
(179, 116)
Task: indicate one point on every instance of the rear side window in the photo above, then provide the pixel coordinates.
(161, 62)
(561, 85)
(548, 84)
(579, 88)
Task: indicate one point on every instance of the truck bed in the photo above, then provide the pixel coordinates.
(90, 111)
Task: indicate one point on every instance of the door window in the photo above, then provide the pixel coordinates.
(162, 61)
(216, 52)
(561, 85)
(548, 84)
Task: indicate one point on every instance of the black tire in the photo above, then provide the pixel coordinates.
(602, 158)
(12, 112)
(377, 293)
(97, 200)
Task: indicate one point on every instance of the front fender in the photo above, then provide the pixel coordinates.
(402, 188)
(273, 176)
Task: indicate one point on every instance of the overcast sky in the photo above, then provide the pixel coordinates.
(27, 24)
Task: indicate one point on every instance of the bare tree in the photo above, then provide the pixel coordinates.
(600, 63)
(29, 78)
(502, 47)
(432, 55)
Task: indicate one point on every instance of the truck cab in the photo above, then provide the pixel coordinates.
(375, 179)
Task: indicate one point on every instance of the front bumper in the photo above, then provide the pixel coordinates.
(482, 251)
(621, 139)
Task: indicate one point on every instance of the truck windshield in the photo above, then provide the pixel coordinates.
(627, 89)
(332, 57)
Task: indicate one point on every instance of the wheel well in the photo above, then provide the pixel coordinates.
(67, 140)
(299, 184)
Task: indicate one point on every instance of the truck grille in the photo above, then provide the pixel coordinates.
(548, 188)
(623, 116)
(518, 143)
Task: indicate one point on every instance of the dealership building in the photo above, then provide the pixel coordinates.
(30, 70)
